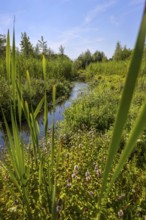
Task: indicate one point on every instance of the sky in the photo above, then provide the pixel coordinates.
(77, 25)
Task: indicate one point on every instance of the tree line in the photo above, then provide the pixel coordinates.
(27, 49)
(84, 59)
(120, 53)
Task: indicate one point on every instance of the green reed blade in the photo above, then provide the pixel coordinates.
(54, 202)
(44, 67)
(8, 54)
(53, 126)
(46, 118)
(14, 66)
(19, 150)
(39, 107)
(29, 81)
(13, 178)
(125, 100)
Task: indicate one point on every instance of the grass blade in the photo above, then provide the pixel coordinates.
(44, 67)
(8, 53)
(39, 107)
(14, 66)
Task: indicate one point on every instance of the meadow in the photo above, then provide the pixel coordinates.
(93, 165)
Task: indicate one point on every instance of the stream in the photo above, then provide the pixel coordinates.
(78, 88)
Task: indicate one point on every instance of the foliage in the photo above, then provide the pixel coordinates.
(61, 50)
(2, 45)
(105, 68)
(79, 175)
(121, 53)
(26, 46)
(86, 58)
(42, 45)
(96, 109)
(59, 71)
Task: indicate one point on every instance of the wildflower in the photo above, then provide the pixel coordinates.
(68, 185)
(121, 196)
(16, 202)
(58, 208)
(80, 145)
(120, 213)
(87, 173)
(91, 193)
(96, 167)
(87, 178)
(98, 172)
(76, 168)
(73, 175)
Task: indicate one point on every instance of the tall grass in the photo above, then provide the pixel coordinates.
(16, 165)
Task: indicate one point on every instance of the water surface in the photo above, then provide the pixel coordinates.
(78, 88)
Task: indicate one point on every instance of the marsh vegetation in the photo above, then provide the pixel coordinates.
(93, 165)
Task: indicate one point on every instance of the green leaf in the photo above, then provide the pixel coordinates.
(38, 108)
(8, 53)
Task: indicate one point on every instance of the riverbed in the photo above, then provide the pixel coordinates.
(78, 88)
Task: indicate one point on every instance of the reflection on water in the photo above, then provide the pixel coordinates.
(78, 88)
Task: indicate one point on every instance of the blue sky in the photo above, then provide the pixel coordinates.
(78, 25)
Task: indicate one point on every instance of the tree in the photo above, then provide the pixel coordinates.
(26, 46)
(125, 53)
(98, 56)
(2, 45)
(61, 50)
(121, 53)
(42, 45)
(118, 52)
(83, 60)
(37, 50)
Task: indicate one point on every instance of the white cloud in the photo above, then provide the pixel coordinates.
(98, 9)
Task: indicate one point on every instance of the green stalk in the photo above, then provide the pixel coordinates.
(8, 54)
(53, 184)
(45, 101)
(53, 97)
(14, 67)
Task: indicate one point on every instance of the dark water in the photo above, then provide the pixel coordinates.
(79, 87)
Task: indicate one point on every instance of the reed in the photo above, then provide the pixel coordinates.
(18, 157)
